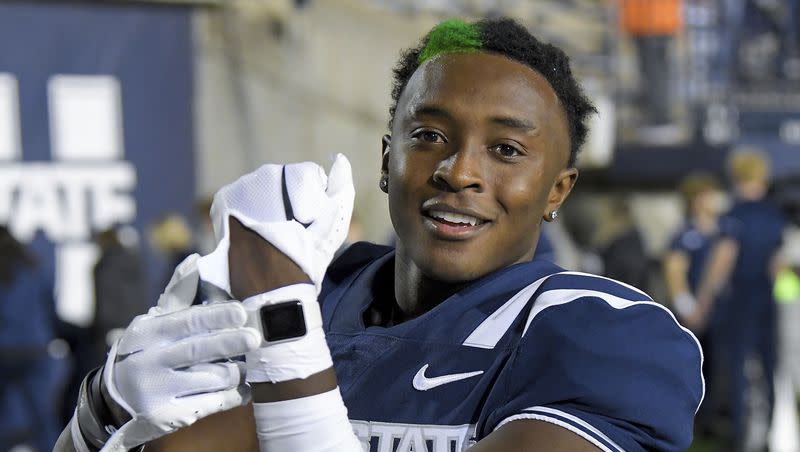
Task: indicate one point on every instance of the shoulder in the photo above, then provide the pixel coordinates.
(599, 309)
(602, 356)
(350, 260)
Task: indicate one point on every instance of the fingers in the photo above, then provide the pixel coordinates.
(215, 346)
(147, 331)
(204, 405)
(206, 378)
(305, 184)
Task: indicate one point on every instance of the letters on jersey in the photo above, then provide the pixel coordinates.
(529, 342)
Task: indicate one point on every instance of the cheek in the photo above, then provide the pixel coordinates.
(524, 196)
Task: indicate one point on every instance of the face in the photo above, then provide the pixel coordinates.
(709, 202)
(476, 160)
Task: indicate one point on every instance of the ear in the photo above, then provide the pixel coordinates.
(386, 142)
(560, 190)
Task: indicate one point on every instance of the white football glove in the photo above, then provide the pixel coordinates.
(295, 207)
(165, 370)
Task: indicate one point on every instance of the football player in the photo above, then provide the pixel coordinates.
(455, 339)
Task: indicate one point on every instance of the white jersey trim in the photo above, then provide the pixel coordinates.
(557, 297)
(628, 286)
(494, 327)
(560, 423)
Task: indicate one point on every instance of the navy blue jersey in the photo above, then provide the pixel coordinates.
(696, 245)
(530, 341)
(757, 227)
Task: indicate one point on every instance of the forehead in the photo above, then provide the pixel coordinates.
(482, 84)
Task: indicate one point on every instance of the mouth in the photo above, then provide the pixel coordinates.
(453, 224)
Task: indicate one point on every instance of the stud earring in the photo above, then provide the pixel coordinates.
(383, 183)
(553, 215)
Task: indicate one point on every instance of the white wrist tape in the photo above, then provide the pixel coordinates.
(291, 359)
(311, 424)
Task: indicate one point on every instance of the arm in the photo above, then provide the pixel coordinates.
(676, 267)
(716, 275)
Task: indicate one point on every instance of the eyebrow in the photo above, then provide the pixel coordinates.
(506, 121)
(428, 110)
(514, 123)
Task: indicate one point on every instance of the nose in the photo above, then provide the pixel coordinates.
(461, 170)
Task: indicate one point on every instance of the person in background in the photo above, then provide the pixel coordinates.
(744, 261)
(622, 251)
(653, 26)
(684, 263)
(29, 376)
(172, 237)
(119, 286)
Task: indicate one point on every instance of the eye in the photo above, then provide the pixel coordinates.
(429, 136)
(506, 150)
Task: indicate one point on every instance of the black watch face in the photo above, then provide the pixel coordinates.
(283, 321)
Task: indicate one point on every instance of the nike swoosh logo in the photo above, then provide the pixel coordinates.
(423, 383)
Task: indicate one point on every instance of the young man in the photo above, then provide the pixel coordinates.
(454, 339)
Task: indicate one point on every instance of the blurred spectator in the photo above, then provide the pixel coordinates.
(653, 26)
(622, 248)
(119, 286)
(684, 263)
(204, 241)
(172, 237)
(30, 376)
(744, 260)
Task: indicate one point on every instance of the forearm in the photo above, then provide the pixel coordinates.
(256, 267)
(718, 271)
(675, 271)
(303, 413)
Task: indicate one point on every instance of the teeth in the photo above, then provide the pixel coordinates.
(454, 217)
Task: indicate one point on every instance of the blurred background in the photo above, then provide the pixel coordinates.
(119, 120)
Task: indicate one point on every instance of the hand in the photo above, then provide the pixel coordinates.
(295, 207)
(696, 320)
(165, 370)
(684, 304)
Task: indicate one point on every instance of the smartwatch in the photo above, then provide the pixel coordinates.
(282, 315)
(282, 321)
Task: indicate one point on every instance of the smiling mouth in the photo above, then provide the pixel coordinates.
(452, 225)
(454, 219)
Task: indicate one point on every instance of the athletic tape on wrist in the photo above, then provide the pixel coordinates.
(311, 424)
(295, 358)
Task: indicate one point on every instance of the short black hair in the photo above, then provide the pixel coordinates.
(507, 37)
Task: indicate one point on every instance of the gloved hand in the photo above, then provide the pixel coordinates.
(165, 370)
(295, 207)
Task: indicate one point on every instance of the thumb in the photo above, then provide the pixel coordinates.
(182, 287)
(340, 179)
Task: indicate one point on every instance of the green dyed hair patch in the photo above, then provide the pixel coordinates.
(451, 36)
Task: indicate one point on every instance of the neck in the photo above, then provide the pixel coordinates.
(752, 191)
(705, 222)
(415, 292)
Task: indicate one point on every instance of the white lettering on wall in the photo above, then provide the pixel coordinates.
(10, 148)
(85, 189)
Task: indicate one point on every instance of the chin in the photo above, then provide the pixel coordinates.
(453, 269)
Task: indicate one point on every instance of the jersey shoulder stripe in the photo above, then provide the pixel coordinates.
(569, 422)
